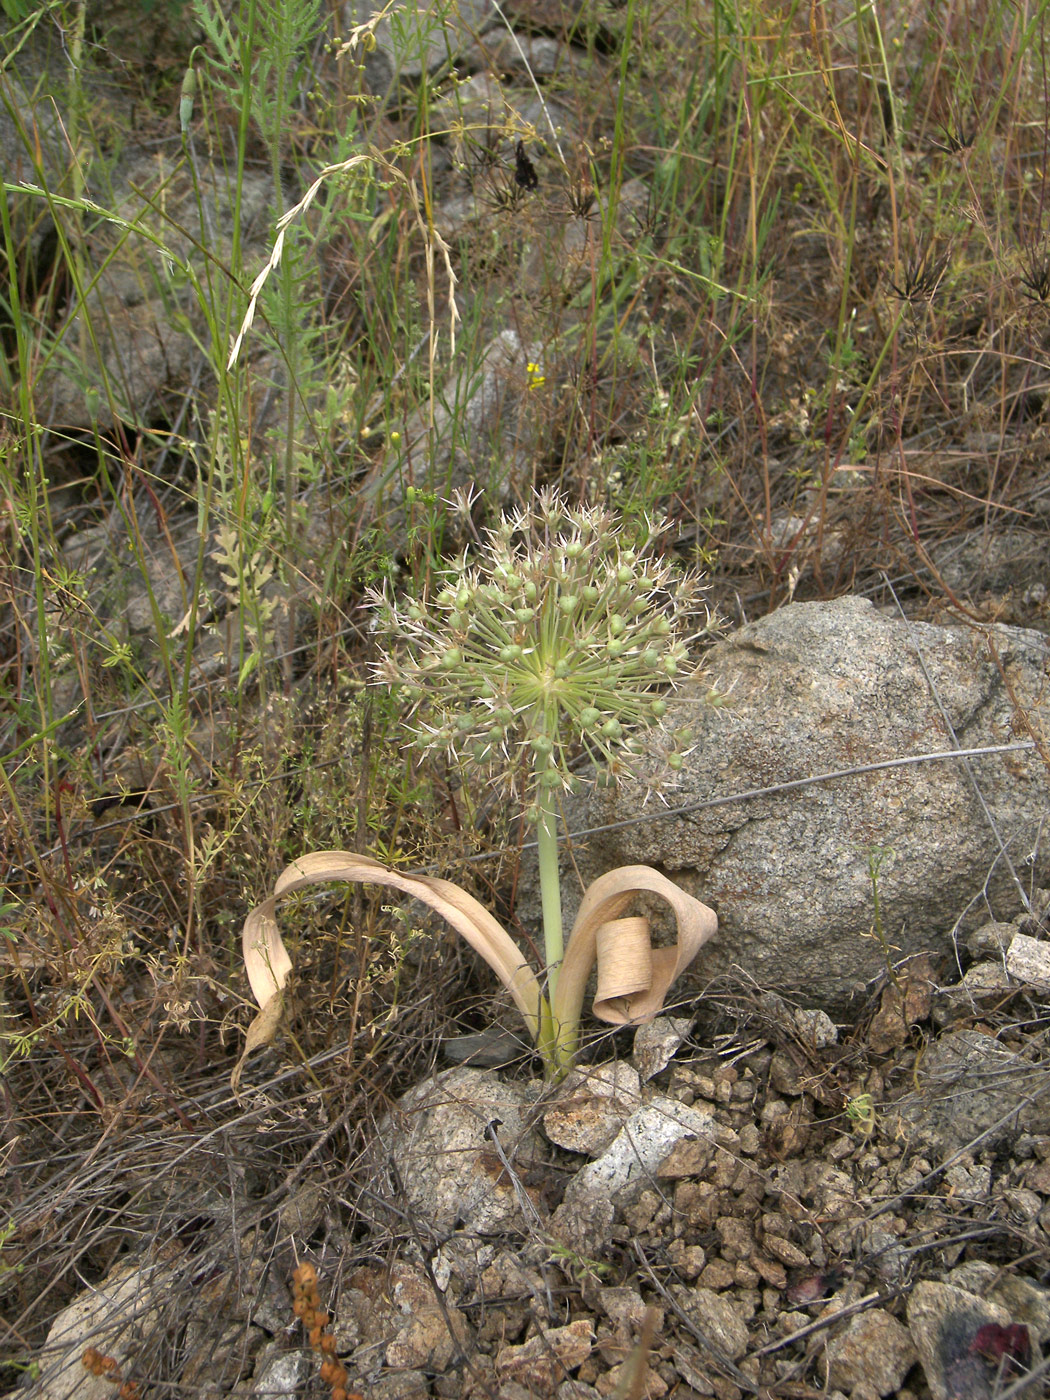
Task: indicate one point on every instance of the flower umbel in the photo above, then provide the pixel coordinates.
(559, 639)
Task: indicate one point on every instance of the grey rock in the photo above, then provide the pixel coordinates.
(439, 1140)
(817, 688)
(113, 1316)
(619, 1176)
(972, 1086)
(629, 1164)
(592, 1107)
(1024, 1300)
(124, 588)
(280, 1375)
(992, 561)
(815, 1027)
(656, 1044)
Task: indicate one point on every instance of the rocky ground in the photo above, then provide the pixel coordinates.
(780, 1207)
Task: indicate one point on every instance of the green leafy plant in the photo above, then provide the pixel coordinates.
(552, 644)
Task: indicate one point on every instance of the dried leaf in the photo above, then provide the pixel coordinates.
(633, 976)
(261, 1032)
(268, 964)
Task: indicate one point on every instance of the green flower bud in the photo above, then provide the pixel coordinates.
(617, 625)
(651, 659)
(625, 574)
(568, 604)
(524, 615)
(574, 549)
(463, 596)
(549, 779)
(591, 595)
(530, 591)
(675, 761)
(589, 717)
(542, 744)
(452, 657)
(561, 669)
(457, 620)
(659, 708)
(614, 647)
(670, 666)
(464, 723)
(612, 729)
(510, 653)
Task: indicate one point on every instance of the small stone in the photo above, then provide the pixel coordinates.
(736, 1237)
(592, 1107)
(698, 1203)
(282, 1376)
(544, 1360)
(991, 939)
(715, 1316)
(964, 1179)
(750, 1139)
(577, 1390)
(1023, 1206)
(624, 1307)
(717, 1274)
(406, 1385)
(1028, 960)
(786, 1252)
(771, 1270)
(744, 1276)
(640, 1216)
(648, 1386)
(656, 1044)
(689, 1157)
(904, 1002)
(687, 1260)
(816, 1027)
(784, 1075)
(984, 979)
(875, 1351)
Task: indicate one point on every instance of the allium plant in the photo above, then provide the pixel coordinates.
(553, 643)
(559, 643)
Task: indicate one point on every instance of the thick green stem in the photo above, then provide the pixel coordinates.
(557, 1043)
(550, 886)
